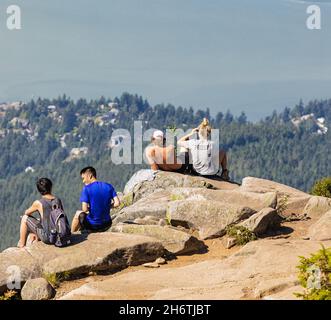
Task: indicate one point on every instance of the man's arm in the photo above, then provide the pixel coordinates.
(85, 200)
(116, 202)
(85, 207)
(34, 207)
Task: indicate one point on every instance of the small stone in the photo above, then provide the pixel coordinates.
(160, 261)
(162, 222)
(229, 242)
(151, 265)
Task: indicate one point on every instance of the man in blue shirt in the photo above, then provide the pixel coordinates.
(97, 199)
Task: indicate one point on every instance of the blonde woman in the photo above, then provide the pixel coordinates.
(206, 159)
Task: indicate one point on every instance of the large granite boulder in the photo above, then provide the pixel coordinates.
(102, 252)
(296, 200)
(317, 206)
(260, 222)
(252, 184)
(209, 217)
(154, 205)
(173, 240)
(262, 269)
(16, 267)
(256, 201)
(37, 289)
(95, 252)
(169, 180)
(321, 230)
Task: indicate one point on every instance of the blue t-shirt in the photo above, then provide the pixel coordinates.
(98, 195)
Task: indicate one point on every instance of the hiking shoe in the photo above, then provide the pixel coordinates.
(225, 175)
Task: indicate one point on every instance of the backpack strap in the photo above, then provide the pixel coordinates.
(48, 206)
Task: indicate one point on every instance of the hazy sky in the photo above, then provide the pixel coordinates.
(250, 55)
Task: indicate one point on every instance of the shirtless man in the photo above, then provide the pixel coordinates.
(162, 157)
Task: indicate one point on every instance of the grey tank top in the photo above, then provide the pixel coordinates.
(47, 208)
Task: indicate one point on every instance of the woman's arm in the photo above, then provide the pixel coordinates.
(183, 139)
(150, 155)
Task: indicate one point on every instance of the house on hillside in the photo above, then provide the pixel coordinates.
(77, 153)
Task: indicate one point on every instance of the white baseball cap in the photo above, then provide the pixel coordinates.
(158, 134)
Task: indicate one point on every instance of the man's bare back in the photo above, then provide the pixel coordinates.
(163, 158)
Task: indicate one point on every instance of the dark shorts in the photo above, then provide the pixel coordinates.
(212, 177)
(86, 226)
(186, 166)
(182, 169)
(35, 226)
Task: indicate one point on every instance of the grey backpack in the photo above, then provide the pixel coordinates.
(59, 233)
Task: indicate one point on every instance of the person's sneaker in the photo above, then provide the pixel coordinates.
(225, 175)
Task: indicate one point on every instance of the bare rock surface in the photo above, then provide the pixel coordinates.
(95, 252)
(321, 230)
(296, 199)
(261, 269)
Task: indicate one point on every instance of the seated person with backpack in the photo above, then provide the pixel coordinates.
(97, 199)
(52, 219)
(206, 159)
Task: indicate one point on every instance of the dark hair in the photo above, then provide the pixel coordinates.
(44, 186)
(89, 170)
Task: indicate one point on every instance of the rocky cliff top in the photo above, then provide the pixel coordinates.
(175, 215)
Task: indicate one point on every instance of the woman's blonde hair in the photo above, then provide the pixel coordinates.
(205, 127)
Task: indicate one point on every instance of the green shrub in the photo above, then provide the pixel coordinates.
(315, 276)
(54, 279)
(241, 234)
(168, 218)
(10, 295)
(322, 188)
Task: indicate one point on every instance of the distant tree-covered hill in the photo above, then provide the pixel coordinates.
(56, 138)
